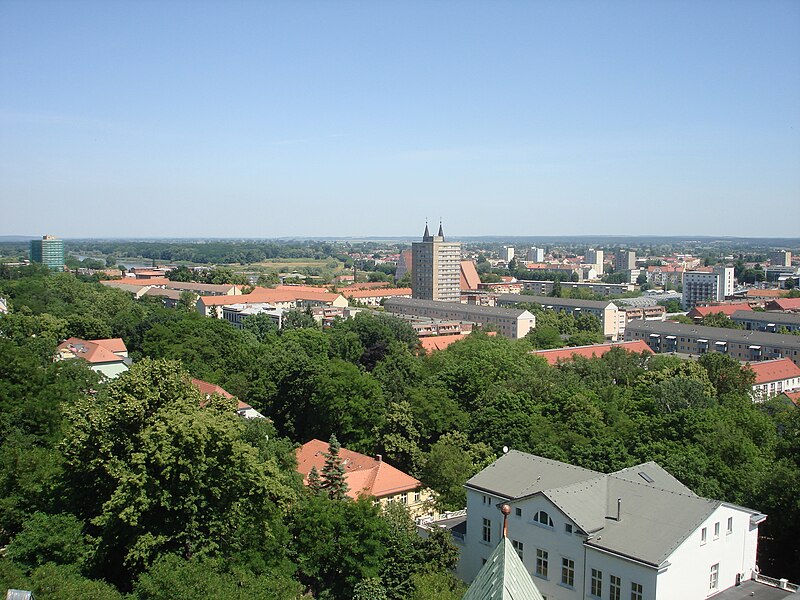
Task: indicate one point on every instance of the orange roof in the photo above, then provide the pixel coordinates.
(91, 350)
(774, 370)
(365, 475)
(786, 303)
(593, 351)
(211, 388)
(440, 342)
(378, 292)
(112, 344)
(765, 293)
(794, 397)
(470, 280)
(725, 309)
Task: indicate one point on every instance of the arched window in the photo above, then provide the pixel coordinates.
(543, 518)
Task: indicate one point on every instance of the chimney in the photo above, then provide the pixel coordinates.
(379, 457)
(619, 509)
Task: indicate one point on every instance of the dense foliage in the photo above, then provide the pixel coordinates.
(130, 487)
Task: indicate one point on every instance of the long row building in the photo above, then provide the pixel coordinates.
(743, 345)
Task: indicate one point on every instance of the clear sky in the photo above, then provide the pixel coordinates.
(334, 118)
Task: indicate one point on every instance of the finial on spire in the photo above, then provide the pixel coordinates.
(506, 510)
(441, 233)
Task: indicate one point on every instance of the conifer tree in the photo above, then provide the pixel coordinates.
(314, 481)
(333, 481)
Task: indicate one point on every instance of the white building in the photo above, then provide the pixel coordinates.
(773, 377)
(507, 254)
(595, 259)
(636, 534)
(536, 255)
(707, 286)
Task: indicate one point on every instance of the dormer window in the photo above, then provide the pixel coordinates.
(542, 518)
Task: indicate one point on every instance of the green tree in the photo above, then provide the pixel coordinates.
(451, 461)
(333, 481)
(142, 457)
(337, 544)
(49, 538)
(299, 319)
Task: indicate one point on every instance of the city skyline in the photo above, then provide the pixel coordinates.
(248, 120)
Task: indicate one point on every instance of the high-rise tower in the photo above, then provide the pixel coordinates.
(436, 268)
(48, 250)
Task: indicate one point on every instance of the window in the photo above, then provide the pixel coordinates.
(403, 498)
(518, 547)
(517, 512)
(568, 572)
(614, 587)
(703, 535)
(637, 591)
(730, 526)
(416, 496)
(543, 518)
(541, 563)
(596, 584)
(716, 530)
(568, 528)
(487, 531)
(713, 579)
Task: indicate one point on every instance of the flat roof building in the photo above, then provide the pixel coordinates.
(510, 323)
(49, 251)
(743, 345)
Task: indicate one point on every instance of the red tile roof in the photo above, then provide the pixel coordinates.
(725, 309)
(440, 342)
(593, 351)
(93, 351)
(794, 397)
(786, 304)
(365, 475)
(211, 388)
(112, 344)
(774, 370)
(765, 293)
(470, 280)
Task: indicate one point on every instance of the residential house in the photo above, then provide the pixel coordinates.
(767, 321)
(752, 346)
(557, 355)
(699, 312)
(109, 357)
(636, 534)
(773, 377)
(611, 318)
(368, 476)
(510, 323)
(242, 409)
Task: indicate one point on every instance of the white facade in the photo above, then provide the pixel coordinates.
(536, 255)
(646, 550)
(595, 258)
(508, 253)
(704, 286)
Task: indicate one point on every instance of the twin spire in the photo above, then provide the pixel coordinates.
(427, 233)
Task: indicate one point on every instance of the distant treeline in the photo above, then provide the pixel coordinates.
(216, 252)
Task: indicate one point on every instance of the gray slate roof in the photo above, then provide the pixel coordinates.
(503, 577)
(657, 512)
(715, 333)
(555, 302)
(767, 317)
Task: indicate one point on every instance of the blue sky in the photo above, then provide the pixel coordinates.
(266, 119)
